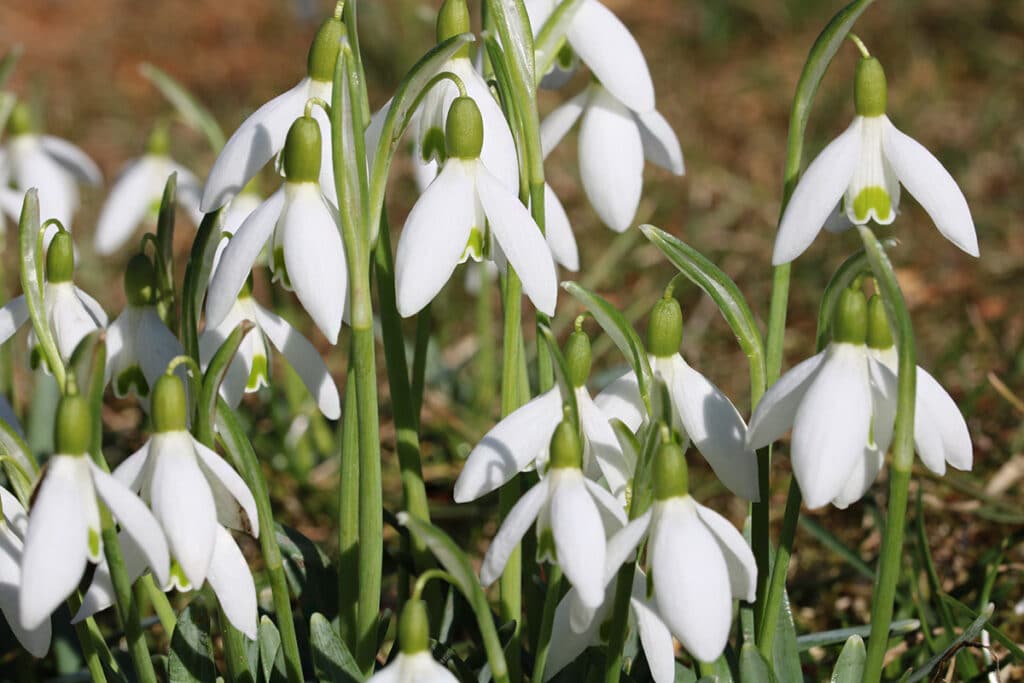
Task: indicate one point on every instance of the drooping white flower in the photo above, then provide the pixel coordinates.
(413, 664)
(467, 212)
(614, 140)
(137, 192)
(13, 524)
(574, 518)
(862, 170)
(194, 495)
(263, 134)
(70, 312)
(139, 344)
(699, 408)
(605, 45)
(250, 368)
(64, 526)
(53, 166)
(307, 254)
(521, 440)
(233, 216)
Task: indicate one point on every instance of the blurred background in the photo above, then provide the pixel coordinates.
(724, 73)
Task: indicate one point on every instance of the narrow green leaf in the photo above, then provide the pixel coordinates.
(513, 26)
(753, 668)
(191, 657)
(194, 114)
(969, 634)
(32, 282)
(311, 577)
(332, 661)
(722, 290)
(8, 63)
(995, 632)
(785, 653)
(552, 36)
(197, 279)
(841, 635)
(271, 659)
(165, 250)
(850, 665)
(18, 477)
(408, 95)
(620, 332)
(7, 102)
(212, 378)
(561, 371)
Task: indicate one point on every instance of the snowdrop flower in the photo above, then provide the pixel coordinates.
(139, 345)
(64, 528)
(467, 212)
(250, 368)
(699, 408)
(13, 524)
(138, 191)
(522, 439)
(414, 663)
(575, 627)
(194, 494)
(263, 134)
(52, 165)
(70, 312)
(863, 169)
(607, 47)
(574, 518)
(307, 254)
(614, 140)
(234, 215)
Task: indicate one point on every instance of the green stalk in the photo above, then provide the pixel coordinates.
(552, 595)
(424, 321)
(484, 377)
(161, 605)
(347, 130)
(90, 639)
(348, 517)
(777, 585)
(235, 656)
(619, 622)
(890, 562)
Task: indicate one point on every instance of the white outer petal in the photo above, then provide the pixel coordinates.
(832, 424)
(661, 146)
(14, 514)
(611, 156)
(612, 53)
(932, 186)
(72, 159)
(939, 429)
(716, 428)
(434, 237)
(602, 444)
(100, 594)
(36, 640)
(736, 552)
(776, 410)
(13, 315)
(580, 540)
(252, 145)
(558, 122)
(231, 580)
(655, 640)
(520, 239)
(621, 400)
(817, 194)
(558, 232)
(513, 528)
(126, 205)
(315, 259)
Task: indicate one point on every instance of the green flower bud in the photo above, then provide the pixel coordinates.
(73, 432)
(453, 20)
(566, 450)
(851, 317)
(577, 358)
(665, 328)
(879, 332)
(140, 281)
(159, 142)
(869, 91)
(323, 53)
(671, 476)
(168, 404)
(60, 258)
(414, 628)
(302, 151)
(464, 129)
(20, 121)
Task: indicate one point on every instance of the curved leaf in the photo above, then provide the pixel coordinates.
(753, 668)
(212, 379)
(332, 661)
(194, 114)
(31, 269)
(191, 657)
(970, 633)
(850, 665)
(552, 36)
(562, 372)
(197, 279)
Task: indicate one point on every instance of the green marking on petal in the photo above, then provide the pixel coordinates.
(475, 246)
(178, 577)
(35, 357)
(94, 543)
(870, 199)
(565, 56)
(650, 583)
(546, 546)
(433, 145)
(258, 374)
(605, 630)
(280, 271)
(131, 376)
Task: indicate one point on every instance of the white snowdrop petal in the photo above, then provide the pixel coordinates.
(126, 206)
(13, 315)
(611, 159)
(434, 237)
(861, 477)
(520, 239)
(932, 185)
(100, 594)
(231, 580)
(603, 445)
(509, 447)
(939, 427)
(561, 120)
(622, 544)
(611, 510)
(579, 535)
(220, 474)
(252, 145)
(132, 471)
(776, 410)
(736, 552)
(656, 641)
(518, 521)
(558, 232)
(817, 194)
(304, 359)
(832, 424)
(660, 144)
(157, 348)
(567, 644)
(72, 159)
(35, 640)
(621, 400)
(716, 428)
(612, 53)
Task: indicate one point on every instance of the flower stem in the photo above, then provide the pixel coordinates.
(348, 517)
(777, 584)
(161, 605)
(619, 623)
(235, 656)
(552, 595)
(90, 639)
(890, 562)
